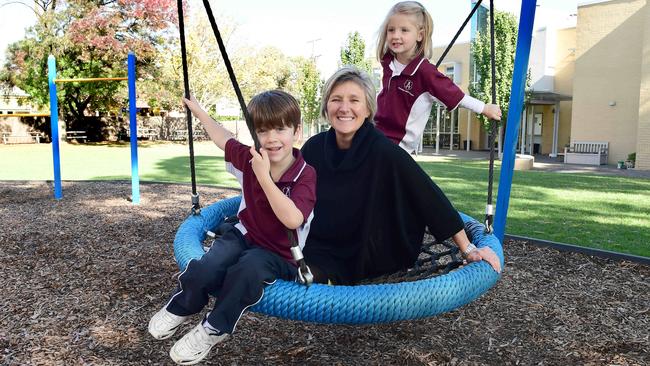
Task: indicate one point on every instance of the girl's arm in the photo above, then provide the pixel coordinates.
(491, 111)
(219, 134)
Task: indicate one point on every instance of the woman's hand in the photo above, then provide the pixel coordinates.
(261, 164)
(485, 254)
(492, 111)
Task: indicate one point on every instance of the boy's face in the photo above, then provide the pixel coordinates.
(278, 142)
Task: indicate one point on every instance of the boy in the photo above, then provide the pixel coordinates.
(278, 193)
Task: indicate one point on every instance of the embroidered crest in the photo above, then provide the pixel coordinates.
(408, 85)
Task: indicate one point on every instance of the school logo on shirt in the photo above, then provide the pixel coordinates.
(408, 85)
(287, 191)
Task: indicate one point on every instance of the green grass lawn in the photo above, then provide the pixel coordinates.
(583, 209)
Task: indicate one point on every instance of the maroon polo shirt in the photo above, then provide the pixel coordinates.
(257, 221)
(405, 101)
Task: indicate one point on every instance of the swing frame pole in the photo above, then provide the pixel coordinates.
(522, 53)
(54, 122)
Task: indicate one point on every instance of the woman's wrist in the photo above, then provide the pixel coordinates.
(469, 249)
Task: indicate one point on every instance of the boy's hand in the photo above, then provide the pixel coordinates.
(261, 163)
(492, 111)
(193, 105)
(485, 254)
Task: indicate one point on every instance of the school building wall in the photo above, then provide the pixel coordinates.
(565, 60)
(608, 73)
(643, 129)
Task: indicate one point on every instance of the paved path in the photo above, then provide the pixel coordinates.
(542, 163)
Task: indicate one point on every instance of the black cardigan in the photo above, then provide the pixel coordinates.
(373, 202)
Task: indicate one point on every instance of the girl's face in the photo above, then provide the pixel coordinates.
(402, 36)
(347, 110)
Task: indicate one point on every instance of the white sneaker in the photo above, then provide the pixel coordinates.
(164, 324)
(195, 345)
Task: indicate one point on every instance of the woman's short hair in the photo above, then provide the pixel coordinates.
(273, 109)
(350, 73)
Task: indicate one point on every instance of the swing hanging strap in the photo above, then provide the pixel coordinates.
(489, 214)
(196, 206)
(460, 30)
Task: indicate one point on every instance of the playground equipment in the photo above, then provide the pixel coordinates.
(383, 302)
(54, 119)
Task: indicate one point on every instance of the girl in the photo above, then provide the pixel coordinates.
(410, 84)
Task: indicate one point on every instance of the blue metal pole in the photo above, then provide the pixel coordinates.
(524, 38)
(54, 126)
(133, 128)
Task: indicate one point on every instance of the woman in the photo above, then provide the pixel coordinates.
(373, 200)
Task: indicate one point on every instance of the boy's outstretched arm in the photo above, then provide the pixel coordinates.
(283, 207)
(219, 134)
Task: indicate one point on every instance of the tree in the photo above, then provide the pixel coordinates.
(208, 77)
(354, 53)
(308, 85)
(89, 39)
(505, 27)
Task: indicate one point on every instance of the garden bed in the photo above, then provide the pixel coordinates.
(81, 277)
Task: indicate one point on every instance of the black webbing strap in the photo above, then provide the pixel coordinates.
(489, 214)
(460, 30)
(304, 274)
(196, 207)
(231, 73)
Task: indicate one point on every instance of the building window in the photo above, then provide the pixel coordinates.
(429, 136)
(449, 72)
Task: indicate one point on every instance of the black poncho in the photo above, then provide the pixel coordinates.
(373, 202)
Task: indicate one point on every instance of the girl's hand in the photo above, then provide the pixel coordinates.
(261, 163)
(492, 111)
(485, 254)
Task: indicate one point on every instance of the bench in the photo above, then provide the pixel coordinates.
(76, 135)
(148, 133)
(29, 137)
(181, 135)
(586, 152)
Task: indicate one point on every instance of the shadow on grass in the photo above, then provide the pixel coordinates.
(209, 170)
(589, 210)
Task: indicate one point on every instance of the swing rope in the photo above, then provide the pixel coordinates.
(489, 209)
(196, 206)
(460, 30)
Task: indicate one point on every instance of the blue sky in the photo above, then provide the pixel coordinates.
(300, 27)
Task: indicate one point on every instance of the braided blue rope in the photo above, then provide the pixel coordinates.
(364, 304)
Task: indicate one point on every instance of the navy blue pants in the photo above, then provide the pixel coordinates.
(235, 272)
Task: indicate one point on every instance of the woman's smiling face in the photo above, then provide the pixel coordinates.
(346, 111)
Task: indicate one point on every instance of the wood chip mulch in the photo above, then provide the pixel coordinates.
(81, 277)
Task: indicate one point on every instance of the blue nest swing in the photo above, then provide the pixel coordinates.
(363, 304)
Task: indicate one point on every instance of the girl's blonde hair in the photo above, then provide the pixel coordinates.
(423, 22)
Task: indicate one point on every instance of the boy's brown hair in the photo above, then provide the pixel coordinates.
(273, 109)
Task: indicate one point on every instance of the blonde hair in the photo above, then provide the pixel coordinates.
(423, 22)
(350, 73)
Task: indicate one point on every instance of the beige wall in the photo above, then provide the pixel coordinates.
(565, 53)
(607, 70)
(643, 141)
